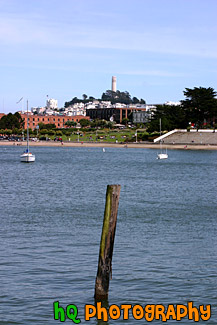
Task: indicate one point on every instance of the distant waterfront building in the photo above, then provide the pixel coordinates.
(114, 112)
(52, 103)
(141, 117)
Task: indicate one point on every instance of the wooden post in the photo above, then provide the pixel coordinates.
(107, 242)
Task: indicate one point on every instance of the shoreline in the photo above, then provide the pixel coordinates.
(111, 145)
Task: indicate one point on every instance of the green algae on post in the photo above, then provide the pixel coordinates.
(107, 242)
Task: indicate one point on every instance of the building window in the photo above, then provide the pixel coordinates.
(33, 119)
(38, 118)
(54, 119)
(48, 119)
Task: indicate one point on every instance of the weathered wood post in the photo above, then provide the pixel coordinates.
(107, 242)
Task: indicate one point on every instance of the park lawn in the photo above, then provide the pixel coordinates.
(99, 136)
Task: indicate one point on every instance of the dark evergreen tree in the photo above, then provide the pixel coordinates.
(200, 105)
(172, 117)
(11, 121)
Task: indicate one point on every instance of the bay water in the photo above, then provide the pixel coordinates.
(51, 215)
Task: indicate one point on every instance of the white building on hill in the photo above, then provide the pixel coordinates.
(172, 103)
(75, 109)
(52, 103)
(38, 110)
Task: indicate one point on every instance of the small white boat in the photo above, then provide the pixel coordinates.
(162, 155)
(27, 156)
(103, 149)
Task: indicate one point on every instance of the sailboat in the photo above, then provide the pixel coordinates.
(162, 155)
(27, 156)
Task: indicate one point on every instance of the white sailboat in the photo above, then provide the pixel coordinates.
(27, 156)
(162, 155)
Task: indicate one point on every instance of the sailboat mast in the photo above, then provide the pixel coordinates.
(27, 133)
(160, 139)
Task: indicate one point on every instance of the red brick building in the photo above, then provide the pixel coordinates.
(58, 120)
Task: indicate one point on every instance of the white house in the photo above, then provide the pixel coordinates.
(52, 103)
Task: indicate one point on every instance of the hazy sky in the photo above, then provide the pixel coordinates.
(155, 48)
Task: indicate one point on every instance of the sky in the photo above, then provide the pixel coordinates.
(64, 49)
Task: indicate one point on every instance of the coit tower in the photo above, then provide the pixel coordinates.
(114, 84)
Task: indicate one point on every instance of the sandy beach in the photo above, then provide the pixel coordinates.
(109, 145)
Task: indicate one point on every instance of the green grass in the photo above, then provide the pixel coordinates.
(99, 136)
